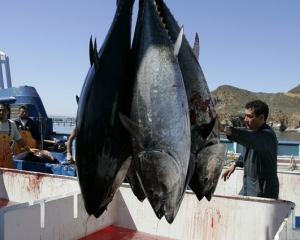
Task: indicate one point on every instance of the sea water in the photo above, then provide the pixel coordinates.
(282, 136)
(62, 129)
(288, 136)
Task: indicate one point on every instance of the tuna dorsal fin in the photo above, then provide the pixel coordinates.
(196, 48)
(141, 134)
(178, 42)
(93, 53)
(96, 55)
(77, 99)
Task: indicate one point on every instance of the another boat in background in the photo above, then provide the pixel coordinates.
(52, 141)
(25, 96)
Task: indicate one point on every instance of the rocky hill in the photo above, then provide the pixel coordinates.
(284, 107)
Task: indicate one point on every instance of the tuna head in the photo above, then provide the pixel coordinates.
(159, 120)
(159, 171)
(209, 166)
(164, 172)
(103, 146)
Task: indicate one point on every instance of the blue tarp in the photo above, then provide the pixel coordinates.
(62, 168)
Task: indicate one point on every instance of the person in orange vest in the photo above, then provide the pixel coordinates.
(8, 133)
(29, 131)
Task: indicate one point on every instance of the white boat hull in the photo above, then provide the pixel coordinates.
(61, 215)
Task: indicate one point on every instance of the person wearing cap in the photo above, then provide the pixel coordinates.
(8, 133)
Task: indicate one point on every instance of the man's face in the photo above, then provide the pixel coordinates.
(23, 113)
(252, 121)
(3, 113)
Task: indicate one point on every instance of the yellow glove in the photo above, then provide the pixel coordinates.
(27, 149)
(34, 150)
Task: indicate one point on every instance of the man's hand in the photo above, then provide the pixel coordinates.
(228, 172)
(221, 127)
(69, 157)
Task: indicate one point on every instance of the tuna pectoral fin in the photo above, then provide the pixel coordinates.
(209, 165)
(189, 174)
(134, 183)
(113, 186)
(141, 134)
(205, 129)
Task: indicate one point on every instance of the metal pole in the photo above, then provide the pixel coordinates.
(7, 69)
(41, 131)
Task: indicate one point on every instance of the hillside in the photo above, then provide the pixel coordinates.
(295, 90)
(284, 107)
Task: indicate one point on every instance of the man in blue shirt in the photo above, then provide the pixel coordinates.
(259, 157)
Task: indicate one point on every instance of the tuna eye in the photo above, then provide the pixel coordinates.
(150, 193)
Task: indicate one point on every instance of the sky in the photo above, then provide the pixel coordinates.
(249, 44)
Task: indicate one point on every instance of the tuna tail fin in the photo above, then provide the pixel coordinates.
(191, 169)
(141, 134)
(196, 48)
(178, 42)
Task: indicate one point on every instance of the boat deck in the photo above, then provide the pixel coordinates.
(7, 203)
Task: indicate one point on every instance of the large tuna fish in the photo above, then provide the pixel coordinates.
(204, 127)
(103, 145)
(159, 123)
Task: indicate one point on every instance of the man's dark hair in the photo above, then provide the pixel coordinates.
(259, 107)
(6, 105)
(23, 107)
